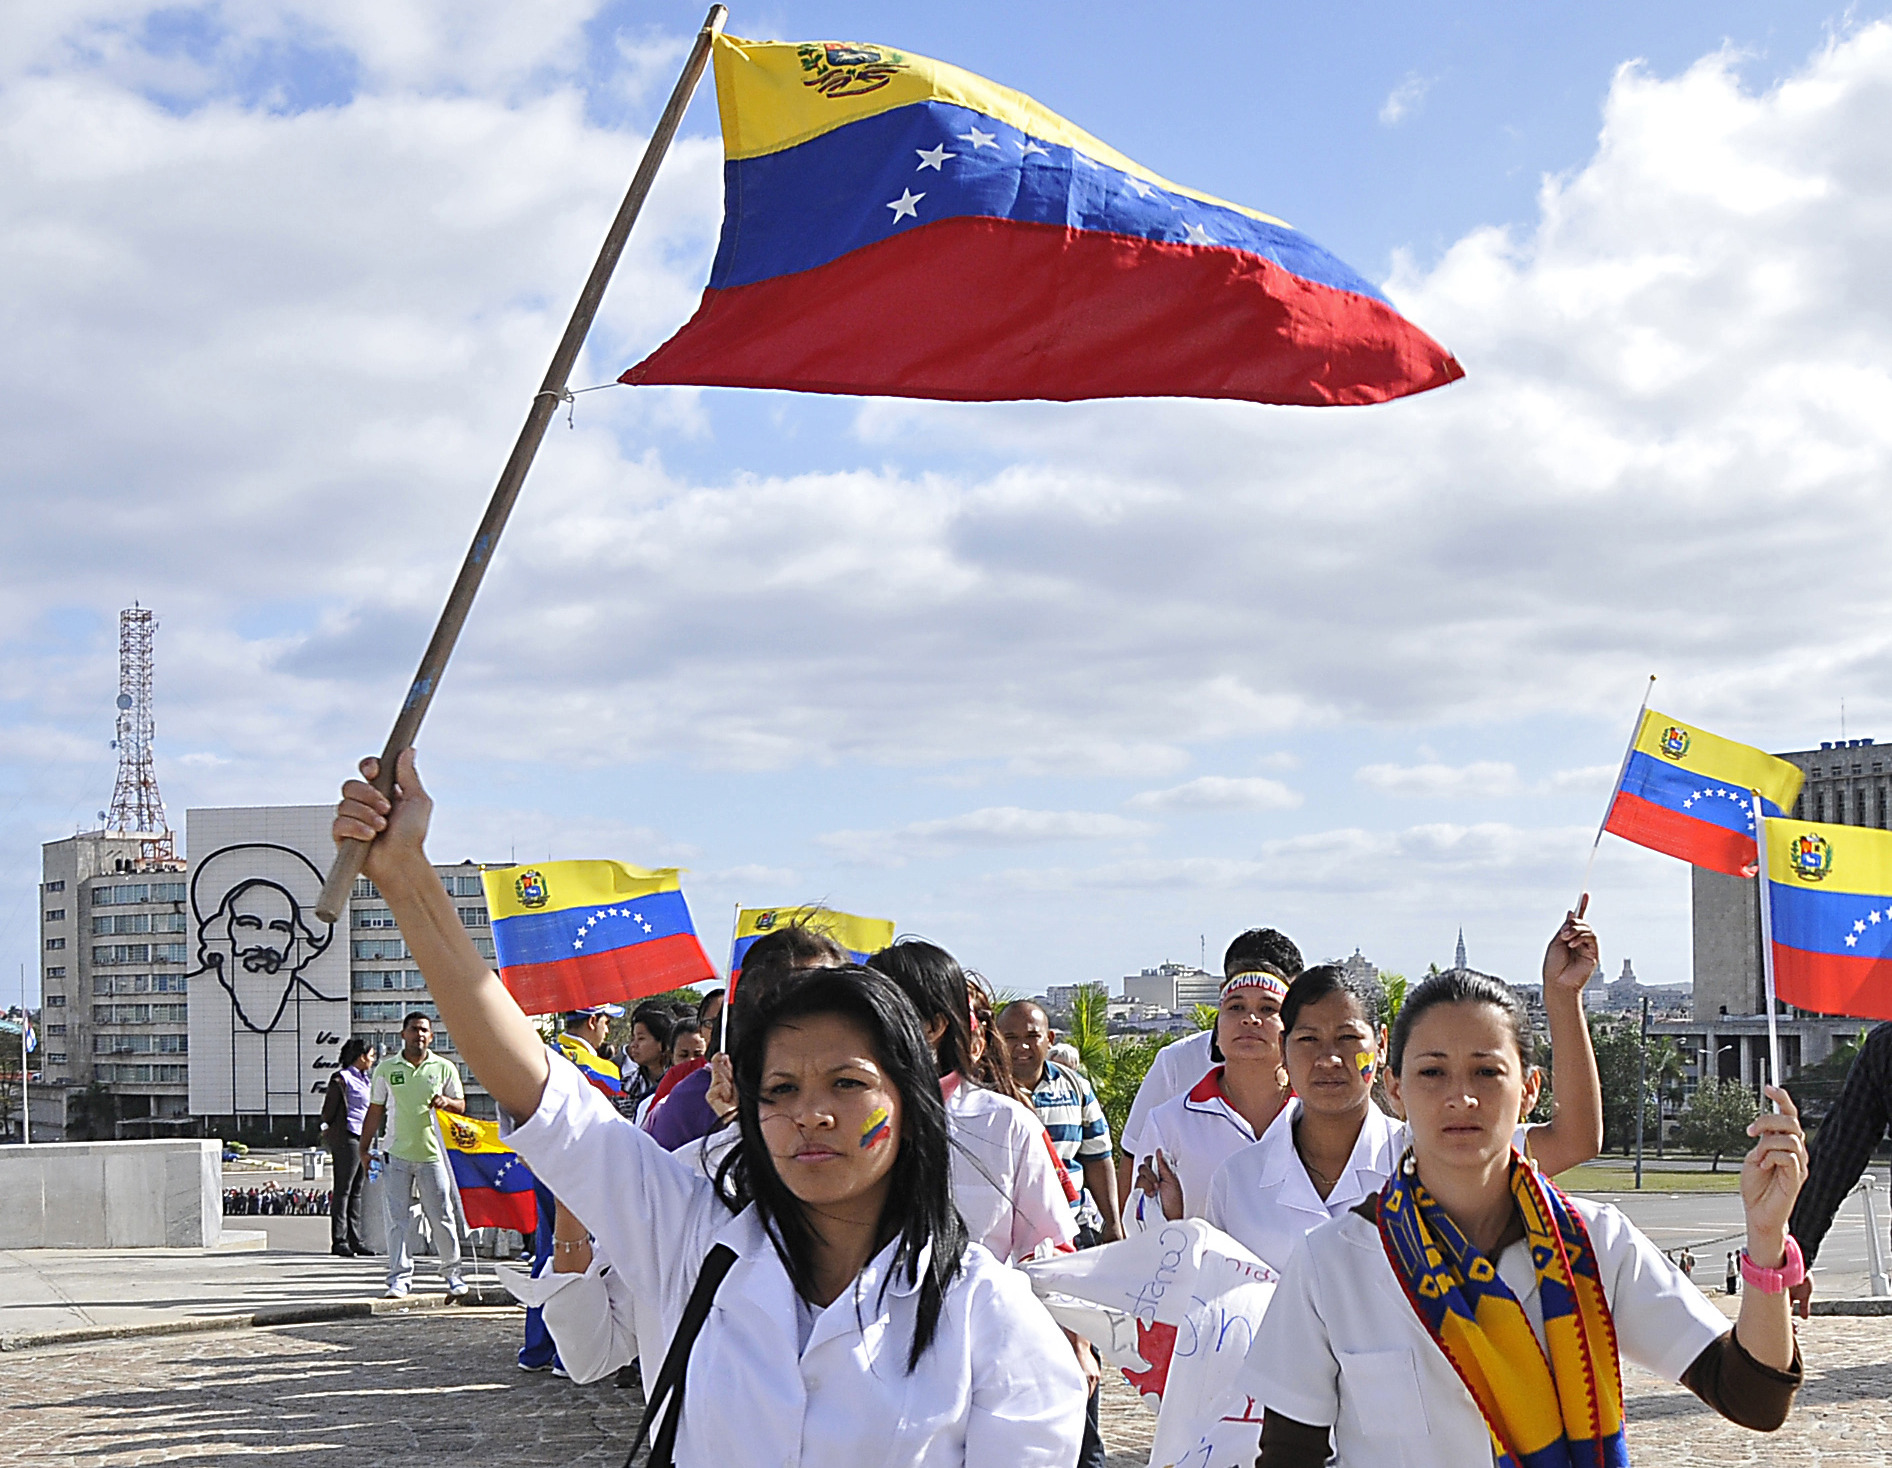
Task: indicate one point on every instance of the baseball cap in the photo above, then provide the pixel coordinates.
(614, 1010)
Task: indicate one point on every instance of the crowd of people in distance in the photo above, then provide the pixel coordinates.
(274, 1201)
(821, 1216)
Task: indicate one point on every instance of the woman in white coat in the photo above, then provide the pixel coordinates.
(855, 1324)
(1333, 1147)
(1471, 1313)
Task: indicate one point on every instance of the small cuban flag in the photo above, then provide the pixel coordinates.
(29, 1037)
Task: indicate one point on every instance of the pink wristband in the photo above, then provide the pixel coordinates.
(1793, 1269)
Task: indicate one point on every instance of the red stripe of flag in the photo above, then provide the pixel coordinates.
(1702, 843)
(490, 1208)
(981, 309)
(1831, 983)
(586, 979)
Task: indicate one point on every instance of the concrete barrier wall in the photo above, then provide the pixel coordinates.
(112, 1195)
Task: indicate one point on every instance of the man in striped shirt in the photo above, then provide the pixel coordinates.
(1067, 1105)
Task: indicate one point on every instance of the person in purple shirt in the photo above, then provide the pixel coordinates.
(689, 1111)
(344, 1108)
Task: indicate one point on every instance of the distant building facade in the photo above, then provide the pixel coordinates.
(1174, 987)
(206, 995)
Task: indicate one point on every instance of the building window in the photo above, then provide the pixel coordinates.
(55, 1029)
(167, 952)
(56, 971)
(474, 917)
(373, 917)
(55, 1001)
(364, 888)
(380, 948)
(134, 922)
(55, 1057)
(168, 892)
(110, 953)
(170, 984)
(465, 886)
(58, 886)
(55, 914)
(55, 944)
(484, 946)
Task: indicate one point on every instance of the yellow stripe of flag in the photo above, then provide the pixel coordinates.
(776, 94)
(1722, 760)
(554, 886)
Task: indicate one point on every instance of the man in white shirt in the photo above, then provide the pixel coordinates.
(1179, 1065)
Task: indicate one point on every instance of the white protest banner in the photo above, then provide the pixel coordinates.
(1176, 1310)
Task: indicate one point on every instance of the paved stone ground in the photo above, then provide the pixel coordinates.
(441, 1389)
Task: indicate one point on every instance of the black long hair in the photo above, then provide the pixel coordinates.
(935, 985)
(919, 1210)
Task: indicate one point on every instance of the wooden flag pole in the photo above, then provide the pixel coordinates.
(351, 855)
(1609, 804)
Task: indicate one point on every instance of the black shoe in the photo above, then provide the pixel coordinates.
(341, 1251)
(361, 1251)
(628, 1376)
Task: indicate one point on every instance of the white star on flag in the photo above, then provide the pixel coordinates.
(933, 158)
(1143, 190)
(1851, 941)
(1859, 927)
(637, 917)
(906, 206)
(1873, 916)
(578, 942)
(1197, 235)
(1691, 800)
(979, 139)
(1027, 147)
(646, 927)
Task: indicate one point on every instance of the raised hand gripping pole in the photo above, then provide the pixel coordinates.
(350, 856)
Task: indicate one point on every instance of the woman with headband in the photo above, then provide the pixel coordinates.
(1189, 1136)
(1334, 1147)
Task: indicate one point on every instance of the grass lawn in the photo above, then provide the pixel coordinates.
(1615, 1177)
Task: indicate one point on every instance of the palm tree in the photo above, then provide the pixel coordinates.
(1667, 1069)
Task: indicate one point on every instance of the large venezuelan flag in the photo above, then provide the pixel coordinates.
(862, 937)
(494, 1182)
(1685, 793)
(897, 226)
(570, 934)
(1829, 894)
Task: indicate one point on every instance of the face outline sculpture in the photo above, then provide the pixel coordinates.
(257, 938)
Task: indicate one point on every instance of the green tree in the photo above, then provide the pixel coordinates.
(1088, 1031)
(1128, 1060)
(92, 1114)
(1205, 1016)
(1716, 1119)
(1395, 986)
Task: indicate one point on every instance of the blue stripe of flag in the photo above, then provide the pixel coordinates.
(547, 937)
(503, 1172)
(804, 206)
(1688, 794)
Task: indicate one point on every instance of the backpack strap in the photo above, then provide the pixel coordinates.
(668, 1388)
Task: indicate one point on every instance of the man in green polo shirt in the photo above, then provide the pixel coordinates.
(408, 1088)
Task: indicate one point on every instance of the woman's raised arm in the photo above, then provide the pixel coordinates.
(1574, 1133)
(486, 1024)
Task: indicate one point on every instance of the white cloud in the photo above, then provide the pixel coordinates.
(1219, 792)
(1405, 98)
(994, 826)
(1479, 780)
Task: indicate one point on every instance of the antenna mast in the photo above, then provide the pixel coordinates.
(137, 808)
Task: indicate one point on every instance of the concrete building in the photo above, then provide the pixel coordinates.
(1173, 986)
(1060, 997)
(1847, 783)
(204, 995)
(113, 975)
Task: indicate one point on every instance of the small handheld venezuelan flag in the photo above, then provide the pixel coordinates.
(571, 934)
(862, 937)
(1688, 793)
(897, 226)
(494, 1182)
(1829, 896)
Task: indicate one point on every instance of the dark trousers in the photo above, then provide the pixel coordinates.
(1091, 1454)
(540, 1350)
(344, 1199)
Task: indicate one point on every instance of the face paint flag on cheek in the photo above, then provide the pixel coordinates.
(877, 1127)
(1364, 1060)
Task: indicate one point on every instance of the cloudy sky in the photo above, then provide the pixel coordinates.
(1070, 688)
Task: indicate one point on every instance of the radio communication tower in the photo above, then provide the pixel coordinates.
(137, 808)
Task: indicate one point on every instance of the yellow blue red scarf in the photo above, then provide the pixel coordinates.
(1564, 1410)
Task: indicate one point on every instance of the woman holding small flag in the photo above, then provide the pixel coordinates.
(1472, 1313)
(820, 1297)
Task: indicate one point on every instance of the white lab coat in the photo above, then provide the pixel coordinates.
(998, 1384)
(1197, 1131)
(1177, 1067)
(592, 1318)
(1007, 1182)
(1342, 1347)
(1263, 1196)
